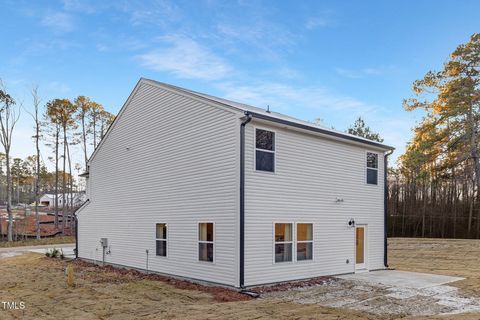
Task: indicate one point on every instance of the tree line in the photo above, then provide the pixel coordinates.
(58, 124)
(434, 190)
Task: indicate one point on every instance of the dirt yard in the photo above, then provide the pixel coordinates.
(448, 257)
(105, 293)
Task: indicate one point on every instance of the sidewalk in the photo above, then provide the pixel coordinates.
(67, 249)
(43, 246)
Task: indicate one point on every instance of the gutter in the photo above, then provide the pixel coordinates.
(320, 130)
(385, 209)
(242, 198)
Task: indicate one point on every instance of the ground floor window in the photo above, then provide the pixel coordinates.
(283, 242)
(206, 241)
(161, 239)
(304, 241)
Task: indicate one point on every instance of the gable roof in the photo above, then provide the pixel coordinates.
(277, 117)
(246, 109)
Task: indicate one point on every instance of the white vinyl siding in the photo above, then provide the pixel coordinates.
(311, 173)
(168, 158)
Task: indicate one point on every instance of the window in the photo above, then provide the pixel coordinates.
(161, 239)
(372, 168)
(205, 241)
(304, 241)
(283, 242)
(264, 150)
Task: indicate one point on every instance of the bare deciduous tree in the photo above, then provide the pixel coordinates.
(36, 119)
(9, 115)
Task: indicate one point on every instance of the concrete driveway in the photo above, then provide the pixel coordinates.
(387, 293)
(402, 279)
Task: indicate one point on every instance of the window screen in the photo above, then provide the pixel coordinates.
(372, 168)
(161, 239)
(264, 150)
(283, 242)
(205, 241)
(304, 241)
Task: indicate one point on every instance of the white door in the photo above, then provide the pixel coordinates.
(360, 247)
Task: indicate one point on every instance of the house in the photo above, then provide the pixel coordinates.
(198, 187)
(48, 199)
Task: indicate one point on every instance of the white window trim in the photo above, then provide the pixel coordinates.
(204, 241)
(284, 242)
(269, 151)
(166, 240)
(377, 168)
(307, 241)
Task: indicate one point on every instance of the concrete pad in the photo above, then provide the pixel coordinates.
(402, 279)
(67, 250)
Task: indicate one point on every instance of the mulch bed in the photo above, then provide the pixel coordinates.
(110, 274)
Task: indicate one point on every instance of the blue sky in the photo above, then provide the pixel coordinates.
(334, 60)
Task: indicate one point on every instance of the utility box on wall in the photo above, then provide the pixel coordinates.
(104, 242)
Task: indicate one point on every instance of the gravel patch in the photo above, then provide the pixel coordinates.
(381, 299)
(9, 254)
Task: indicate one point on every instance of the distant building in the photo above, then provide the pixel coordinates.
(48, 199)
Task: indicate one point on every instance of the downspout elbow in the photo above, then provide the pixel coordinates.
(248, 118)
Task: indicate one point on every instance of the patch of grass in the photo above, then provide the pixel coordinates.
(34, 242)
(54, 253)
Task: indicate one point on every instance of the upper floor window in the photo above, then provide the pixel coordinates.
(264, 150)
(161, 239)
(372, 168)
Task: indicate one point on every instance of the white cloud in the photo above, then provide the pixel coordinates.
(57, 88)
(315, 23)
(59, 22)
(284, 97)
(185, 58)
(266, 39)
(157, 12)
(84, 6)
(370, 71)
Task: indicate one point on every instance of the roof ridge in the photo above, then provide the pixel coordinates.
(272, 114)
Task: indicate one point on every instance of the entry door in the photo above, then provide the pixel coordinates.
(360, 247)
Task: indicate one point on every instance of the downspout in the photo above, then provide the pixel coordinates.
(76, 235)
(242, 198)
(385, 208)
(76, 226)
